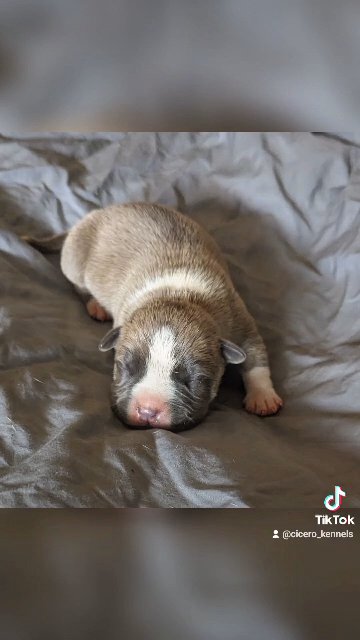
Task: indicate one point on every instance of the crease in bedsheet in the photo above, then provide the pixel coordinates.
(41, 270)
(52, 414)
(202, 472)
(48, 356)
(209, 477)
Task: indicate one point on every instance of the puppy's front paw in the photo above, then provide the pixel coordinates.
(263, 402)
(96, 311)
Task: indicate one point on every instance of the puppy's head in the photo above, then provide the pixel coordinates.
(169, 361)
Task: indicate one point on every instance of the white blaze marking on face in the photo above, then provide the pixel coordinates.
(179, 279)
(160, 363)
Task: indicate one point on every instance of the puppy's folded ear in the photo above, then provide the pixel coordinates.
(232, 353)
(109, 340)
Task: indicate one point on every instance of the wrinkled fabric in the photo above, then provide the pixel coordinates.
(284, 209)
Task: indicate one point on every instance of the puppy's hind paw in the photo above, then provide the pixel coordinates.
(96, 311)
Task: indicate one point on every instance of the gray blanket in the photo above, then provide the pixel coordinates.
(285, 210)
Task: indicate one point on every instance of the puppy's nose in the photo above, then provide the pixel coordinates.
(149, 409)
(148, 413)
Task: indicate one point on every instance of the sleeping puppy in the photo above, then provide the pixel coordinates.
(177, 319)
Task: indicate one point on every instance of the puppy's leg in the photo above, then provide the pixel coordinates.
(261, 397)
(74, 258)
(96, 311)
(93, 307)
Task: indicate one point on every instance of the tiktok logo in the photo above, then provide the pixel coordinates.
(333, 502)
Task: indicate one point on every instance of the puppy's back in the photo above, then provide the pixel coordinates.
(118, 250)
(154, 231)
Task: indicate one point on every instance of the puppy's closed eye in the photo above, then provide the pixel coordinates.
(182, 375)
(130, 363)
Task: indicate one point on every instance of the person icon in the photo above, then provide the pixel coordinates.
(276, 534)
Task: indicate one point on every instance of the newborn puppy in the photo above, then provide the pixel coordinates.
(177, 319)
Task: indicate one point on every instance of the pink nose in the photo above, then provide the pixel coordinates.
(149, 409)
(150, 414)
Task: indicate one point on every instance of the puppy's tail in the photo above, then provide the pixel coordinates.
(49, 244)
